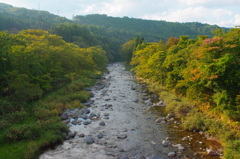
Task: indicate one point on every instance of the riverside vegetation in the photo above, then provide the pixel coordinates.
(42, 74)
(33, 65)
(198, 79)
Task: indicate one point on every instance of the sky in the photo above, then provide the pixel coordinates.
(224, 13)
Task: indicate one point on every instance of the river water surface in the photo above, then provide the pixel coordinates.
(130, 130)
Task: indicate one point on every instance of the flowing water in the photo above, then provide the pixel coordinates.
(130, 130)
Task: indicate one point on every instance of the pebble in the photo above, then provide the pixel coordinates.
(165, 143)
(89, 140)
(84, 116)
(102, 123)
(160, 120)
(121, 150)
(86, 122)
(185, 139)
(106, 114)
(170, 115)
(72, 134)
(85, 110)
(155, 157)
(122, 136)
(100, 136)
(136, 100)
(92, 115)
(141, 157)
(123, 157)
(110, 154)
(211, 152)
(74, 122)
(106, 117)
(171, 154)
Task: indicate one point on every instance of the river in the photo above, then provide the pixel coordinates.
(124, 127)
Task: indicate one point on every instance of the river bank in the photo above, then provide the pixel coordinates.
(117, 123)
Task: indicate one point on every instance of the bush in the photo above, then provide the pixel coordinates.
(232, 149)
(194, 121)
(4, 123)
(17, 116)
(82, 96)
(171, 106)
(15, 133)
(43, 113)
(182, 109)
(32, 132)
(75, 86)
(7, 107)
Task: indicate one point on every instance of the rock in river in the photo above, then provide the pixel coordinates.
(102, 123)
(170, 115)
(100, 136)
(165, 143)
(64, 116)
(123, 157)
(136, 100)
(155, 157)
(74, 122)
(85, 111)
(172, 154)
(89, 140)
(160, 120)
(122, 136)
(211, 152)
(86, 122)
(71, 135)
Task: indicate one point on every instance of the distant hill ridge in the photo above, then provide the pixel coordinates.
(152, 30)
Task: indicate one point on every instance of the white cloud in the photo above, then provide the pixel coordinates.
(192, 14)
(237, 20)
(21, 3)
(193, 2)
(210, 3)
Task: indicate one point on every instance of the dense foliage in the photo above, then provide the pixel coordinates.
(151, 30)
(33, 63)
(204, 70)
(88, 36)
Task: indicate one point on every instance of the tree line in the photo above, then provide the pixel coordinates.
(204, 70)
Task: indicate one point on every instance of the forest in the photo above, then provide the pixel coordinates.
(198, 79)
(41, 75)
(151, 30)
(47, 61)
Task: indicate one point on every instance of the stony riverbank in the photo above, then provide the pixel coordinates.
(117, 123)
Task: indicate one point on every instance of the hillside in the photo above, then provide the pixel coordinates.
(13, 18)
(151, 30)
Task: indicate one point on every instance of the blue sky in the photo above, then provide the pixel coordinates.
(225, 13)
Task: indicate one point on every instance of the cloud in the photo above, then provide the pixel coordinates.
(20, 3)
(237, 19)
(132, 8)
(192, 14)
(210, 3)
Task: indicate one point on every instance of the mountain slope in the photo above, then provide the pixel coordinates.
(151, 30)
(22, 18)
